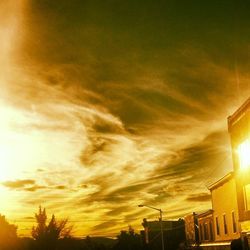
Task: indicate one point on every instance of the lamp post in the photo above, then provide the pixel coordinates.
(158, 209)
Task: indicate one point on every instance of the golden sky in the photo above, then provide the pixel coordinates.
(104, 106)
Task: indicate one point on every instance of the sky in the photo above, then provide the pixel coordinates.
(105, 105)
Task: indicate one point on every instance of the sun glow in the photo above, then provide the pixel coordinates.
(16, 147)
(22, 148)
(244, 154)
(10, 27)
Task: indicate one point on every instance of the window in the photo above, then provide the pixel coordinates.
(247, 196)
(234, 223)
(225, 223)
(211, 231)
(201, 233)
(217, 226)
(206, 231)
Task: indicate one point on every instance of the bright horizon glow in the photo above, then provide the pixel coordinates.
(14, 147)
(244, 154)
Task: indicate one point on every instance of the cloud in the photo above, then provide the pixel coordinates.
(202, 197)
(98, 146)
(117, 211)
(30, 185)
(34, 188)
(60, 187)
(28, 218)
(23, 185)
(102, 226)
(18, 184)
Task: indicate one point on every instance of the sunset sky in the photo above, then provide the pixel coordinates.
(105, 105)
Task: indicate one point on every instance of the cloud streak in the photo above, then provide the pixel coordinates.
(18, 183)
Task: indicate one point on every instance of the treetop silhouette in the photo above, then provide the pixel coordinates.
(48, 234)
(8, 234)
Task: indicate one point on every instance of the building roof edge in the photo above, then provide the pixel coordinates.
(221, 181)
(235, 116)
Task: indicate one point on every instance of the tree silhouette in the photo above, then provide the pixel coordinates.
(47, 235)
(128, 240)
(8, 234)
(39, 232)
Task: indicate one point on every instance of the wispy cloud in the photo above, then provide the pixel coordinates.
(199, 197)
(18, 183)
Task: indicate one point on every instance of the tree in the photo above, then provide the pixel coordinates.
(39, 232)
(8, 234)
(128, 240)
(47, 235)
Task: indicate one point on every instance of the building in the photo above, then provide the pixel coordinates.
(173, 234)
(239, 130)
(225, 208)
(206, 226)
(191, 229)
(229, 218)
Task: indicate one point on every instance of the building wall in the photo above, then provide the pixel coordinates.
(191, 228)
(225, 219)
(206, 227)
(173, 234)
(239, 130)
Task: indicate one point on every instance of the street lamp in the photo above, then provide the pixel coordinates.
(158, 209)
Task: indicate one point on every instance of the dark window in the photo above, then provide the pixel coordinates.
(217, 226)
(205, 231)
(201, 231)
(211, 231)
(234, 223)
(225, 223)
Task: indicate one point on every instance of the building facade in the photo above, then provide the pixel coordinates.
(173, 234)
(225, 208)
(239, 130)
(191, 229)
(206, 226)
(229, 219)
